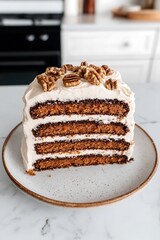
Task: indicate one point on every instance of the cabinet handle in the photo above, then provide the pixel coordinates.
(126, 44)
(44, 37)
(30, 38)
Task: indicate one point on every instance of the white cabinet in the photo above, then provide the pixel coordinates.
(155, 69)
(128, 51)
(155, 72)
(157, 52)
(107, 44)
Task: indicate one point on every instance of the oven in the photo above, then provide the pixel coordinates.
(28, 44)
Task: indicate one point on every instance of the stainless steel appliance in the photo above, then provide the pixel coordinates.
(28, 44)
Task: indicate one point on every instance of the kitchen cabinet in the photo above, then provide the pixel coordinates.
(129, 47)
(157, 51)
(155, 70)
(107, 44)
(127, 51)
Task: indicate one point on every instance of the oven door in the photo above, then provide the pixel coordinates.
(22, 68)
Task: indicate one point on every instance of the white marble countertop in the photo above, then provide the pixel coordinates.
(135, 218)
(105, 22)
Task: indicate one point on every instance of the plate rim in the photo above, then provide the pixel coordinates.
(72, 204)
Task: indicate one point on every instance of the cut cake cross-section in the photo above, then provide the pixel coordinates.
(77, 116)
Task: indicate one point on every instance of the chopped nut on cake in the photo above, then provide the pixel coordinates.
(47, 82)
(67, 67)
(99, 70)
(71, 80)
(54, 71)
(92, 76)
(108, 71)
(84, 64)
(111, 84)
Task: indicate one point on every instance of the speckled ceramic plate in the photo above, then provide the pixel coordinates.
(83, 186)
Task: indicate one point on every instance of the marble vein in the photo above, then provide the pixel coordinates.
(46, 227)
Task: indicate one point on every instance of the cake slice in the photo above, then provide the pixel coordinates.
(77, 116)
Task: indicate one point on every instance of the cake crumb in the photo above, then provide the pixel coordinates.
(31, 172)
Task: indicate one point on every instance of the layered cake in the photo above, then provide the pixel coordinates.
(77, 116)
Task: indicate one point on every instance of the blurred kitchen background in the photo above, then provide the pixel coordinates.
(124, 34)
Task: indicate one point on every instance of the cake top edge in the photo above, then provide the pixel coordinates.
(72, 76)
(69, 83)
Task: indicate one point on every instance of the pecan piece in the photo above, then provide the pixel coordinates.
(105, 67)
(76, 69)
(100, 70)
(108, 71)
(54, 72)
(111, 84)
(84, 64)
(80, 70)
(47, 82)
(71, 80)
(67, 67)
(92, 76)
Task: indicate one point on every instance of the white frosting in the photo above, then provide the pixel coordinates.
(85, 90)
(127, 137)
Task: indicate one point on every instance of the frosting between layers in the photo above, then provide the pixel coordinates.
(127, 137)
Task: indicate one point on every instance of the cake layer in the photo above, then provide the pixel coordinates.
(69, 146)
(88, 107)
(79, 127)
(86, 160)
